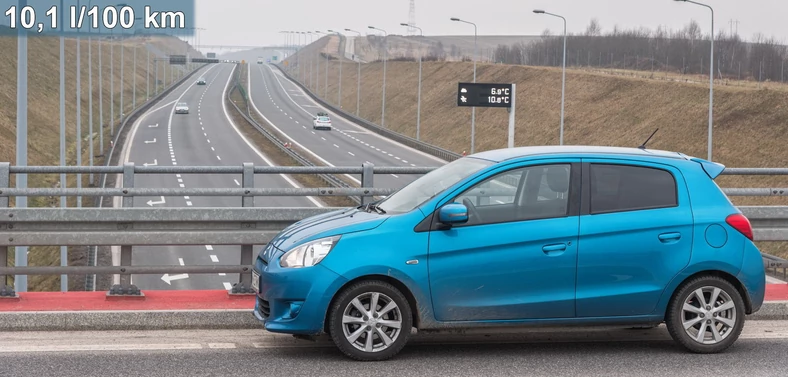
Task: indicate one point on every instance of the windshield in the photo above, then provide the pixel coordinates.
(432, 184)
(323, 119)
(182, 104)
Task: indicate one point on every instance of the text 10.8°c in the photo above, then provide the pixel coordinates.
(94, 18)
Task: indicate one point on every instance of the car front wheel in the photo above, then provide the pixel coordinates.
(706, 315)
(370, 321)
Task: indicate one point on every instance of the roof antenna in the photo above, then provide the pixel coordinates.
(643, 146)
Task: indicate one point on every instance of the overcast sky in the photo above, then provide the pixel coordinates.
(257, 22)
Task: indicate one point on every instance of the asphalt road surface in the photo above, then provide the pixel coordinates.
(204, 137)
(290, 110)
(760, 351)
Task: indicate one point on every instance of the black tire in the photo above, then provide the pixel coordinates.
(675, 316)
(387, 292)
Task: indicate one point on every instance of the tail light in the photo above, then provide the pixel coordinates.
(740, 223)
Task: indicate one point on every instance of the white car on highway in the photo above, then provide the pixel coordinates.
(321, 122)
(182, 108)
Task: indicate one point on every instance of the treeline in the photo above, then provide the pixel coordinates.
(683, 51)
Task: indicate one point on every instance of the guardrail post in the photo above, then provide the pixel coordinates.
(125, 288)
(5, 182)
(244, 285)
(367, 180)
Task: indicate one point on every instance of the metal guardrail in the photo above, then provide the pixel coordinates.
(246, 193)
(129, 227)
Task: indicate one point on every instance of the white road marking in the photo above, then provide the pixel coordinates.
(209, 140)
(100, 347)
(180, 181)
(405, 161)
(177, 175)
(236, 182)
(222, 274)
(395, 176)
(208, 247)
(213, 149)
(336, 145)
(182, 185)
(227, 286)
(221, 345)
(180, 261)
(350, 153)
(324, 139)
(188, 203)
(214, 258)
(186, 197)
(219, 158)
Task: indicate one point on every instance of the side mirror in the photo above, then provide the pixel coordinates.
(453, 213)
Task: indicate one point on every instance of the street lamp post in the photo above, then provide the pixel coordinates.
(418, 105)
(563, 74)
(341, 56)
(63, 181)
(385, 57)
(20, 252)
(358, 77)
(473, 109)
(711, 74)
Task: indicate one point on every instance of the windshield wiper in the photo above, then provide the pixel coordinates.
(372, 206)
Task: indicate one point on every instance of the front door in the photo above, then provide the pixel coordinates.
(516, 256)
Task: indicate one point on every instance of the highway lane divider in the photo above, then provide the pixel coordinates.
(284, 147)
(113, 159)
(430, 149)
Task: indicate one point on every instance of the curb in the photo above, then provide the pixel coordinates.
(220, 319)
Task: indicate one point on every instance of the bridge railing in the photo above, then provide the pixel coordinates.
(245, 225)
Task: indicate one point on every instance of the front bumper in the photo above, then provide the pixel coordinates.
(294, 301)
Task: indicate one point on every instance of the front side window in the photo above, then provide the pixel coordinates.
(529, 193)
(618, 188)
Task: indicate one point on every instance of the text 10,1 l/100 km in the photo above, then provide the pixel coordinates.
(95, 18)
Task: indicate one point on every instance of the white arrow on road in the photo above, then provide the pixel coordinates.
(155, 162)
(153, 125)
(168, 279)
(151, 202)
(150, 141)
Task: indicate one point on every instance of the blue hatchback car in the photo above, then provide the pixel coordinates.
(571, 235)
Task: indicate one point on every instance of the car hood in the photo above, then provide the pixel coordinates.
(325, 225)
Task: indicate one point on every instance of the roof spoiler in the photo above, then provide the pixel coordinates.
(712, 169)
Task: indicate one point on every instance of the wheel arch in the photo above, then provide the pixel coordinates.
(402, 287)
(722, 275)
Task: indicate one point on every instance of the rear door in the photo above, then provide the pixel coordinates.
(636, 229)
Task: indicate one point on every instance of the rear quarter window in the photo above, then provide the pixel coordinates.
(619, 188)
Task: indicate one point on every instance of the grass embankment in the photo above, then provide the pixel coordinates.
(750, 124)
(44, 119)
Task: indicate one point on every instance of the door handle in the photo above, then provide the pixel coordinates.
(553, 248)
(667, 237)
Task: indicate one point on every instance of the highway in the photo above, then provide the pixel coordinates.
(760, 351)
(204, 137)
(286, 107)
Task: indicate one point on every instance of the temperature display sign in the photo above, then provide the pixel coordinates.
(484, 95)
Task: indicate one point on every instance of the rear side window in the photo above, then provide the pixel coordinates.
(618, 188)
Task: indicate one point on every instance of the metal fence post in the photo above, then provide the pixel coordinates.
(5, 181)
(244, 285)
(367, 179)
(125, 287)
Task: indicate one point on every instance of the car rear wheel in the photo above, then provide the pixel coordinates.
(706, 315)
(370, 321)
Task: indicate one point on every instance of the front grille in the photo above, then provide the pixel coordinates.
(265, 307)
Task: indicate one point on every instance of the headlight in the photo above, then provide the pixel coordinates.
(308, 254)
